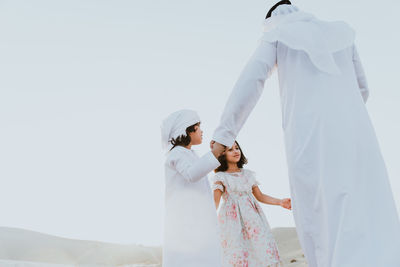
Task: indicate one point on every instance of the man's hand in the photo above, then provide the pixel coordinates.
(216, 148)
(212, 144)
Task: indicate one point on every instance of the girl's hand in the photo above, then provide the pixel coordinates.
(286, 203)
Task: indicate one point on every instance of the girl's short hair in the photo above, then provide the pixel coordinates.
(184, 140)
(224, 164)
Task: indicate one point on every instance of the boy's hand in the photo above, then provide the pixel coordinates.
(286, 203)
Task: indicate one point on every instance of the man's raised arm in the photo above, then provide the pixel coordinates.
(246, 93)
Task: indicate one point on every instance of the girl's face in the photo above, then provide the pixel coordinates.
(233, 154)
(196, 137)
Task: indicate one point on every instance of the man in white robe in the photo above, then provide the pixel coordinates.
(342, 201)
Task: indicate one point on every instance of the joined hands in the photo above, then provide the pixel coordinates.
(286, 203)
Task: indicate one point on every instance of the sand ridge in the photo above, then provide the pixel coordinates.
(24, 248)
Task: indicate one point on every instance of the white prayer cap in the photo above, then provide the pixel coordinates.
(175, 125)
(284, 10)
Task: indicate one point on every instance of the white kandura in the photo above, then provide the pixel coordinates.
(342, 201)
(190, 232)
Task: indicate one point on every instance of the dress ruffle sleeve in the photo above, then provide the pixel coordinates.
(214, 185)
(253, 178)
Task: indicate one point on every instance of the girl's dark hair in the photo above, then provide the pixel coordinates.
(224, 164)
(283, 2)
(184, 140)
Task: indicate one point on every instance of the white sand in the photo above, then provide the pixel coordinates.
(22, 248)
(289, 247)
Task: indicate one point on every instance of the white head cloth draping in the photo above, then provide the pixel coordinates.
(302, 31)
(175, 125)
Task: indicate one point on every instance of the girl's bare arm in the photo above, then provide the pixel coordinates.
(217, 195)
(263, 198)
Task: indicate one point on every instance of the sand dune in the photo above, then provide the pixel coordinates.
(23, 248)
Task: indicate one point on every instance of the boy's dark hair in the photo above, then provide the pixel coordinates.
(184, 140)
(283, 2)
(224, 164)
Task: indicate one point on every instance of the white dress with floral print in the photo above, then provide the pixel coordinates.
(246, 237)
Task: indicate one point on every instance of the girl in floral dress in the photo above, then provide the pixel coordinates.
(246, 237)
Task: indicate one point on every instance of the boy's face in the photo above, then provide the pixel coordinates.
(196, 136)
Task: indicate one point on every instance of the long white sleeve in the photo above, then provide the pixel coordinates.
(194, 171)
(361, 78)
(246, 93)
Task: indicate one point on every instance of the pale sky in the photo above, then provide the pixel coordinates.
(84, 85)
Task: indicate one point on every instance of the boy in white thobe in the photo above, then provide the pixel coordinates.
(190, 234)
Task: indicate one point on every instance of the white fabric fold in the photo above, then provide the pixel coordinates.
(190, 222)
(192, 171)
(318, 39)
